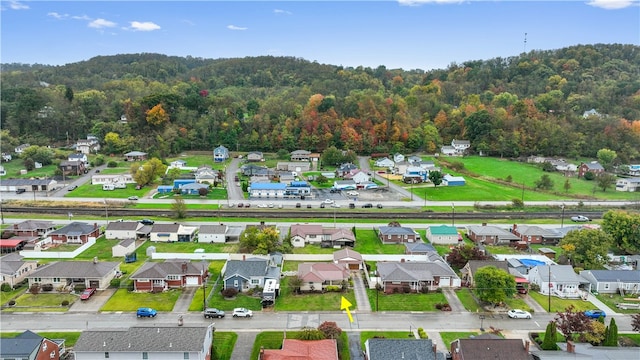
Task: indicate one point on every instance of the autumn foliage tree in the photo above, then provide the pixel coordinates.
(157, 115)
(572, 322)
(460, 255)
(330, 329)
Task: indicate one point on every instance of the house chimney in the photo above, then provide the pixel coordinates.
(515, 226)
(95, 225)
(261, 353)
(526, 345)
(484, 224)
(244, 257)
(571, 348)
(402, 260)
(435, 350)
(184, 267)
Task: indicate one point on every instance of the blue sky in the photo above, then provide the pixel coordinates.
(408, 34)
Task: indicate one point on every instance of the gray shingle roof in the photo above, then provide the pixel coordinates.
(413, 271)
(395, 230)
(419, 246)
(25, 182)
(165, 228)
(246, 268)
(75, 229)
(212, 229)
(22, 346)
(154, 270)
(34, 225)
(407, 349)
(123, 225)
(151, 339)
(75, 269)
(627, 276)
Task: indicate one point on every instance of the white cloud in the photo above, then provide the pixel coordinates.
(420, 2)
(611, 4)
(80, 17)
(144, 26)
(56, 15)
(14, 5)
(101, 23)
(280, 11)
(233, 27)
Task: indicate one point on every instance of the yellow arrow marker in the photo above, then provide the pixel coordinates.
(344, 305)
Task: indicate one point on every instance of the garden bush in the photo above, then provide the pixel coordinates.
(229, 292)
(115, 283)
(5, 287)
(112, 164)
(11, 302)
(333, 288)
(47, 287)
(65, 303)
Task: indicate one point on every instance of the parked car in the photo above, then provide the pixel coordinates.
(242, 312)
(146, 312)
(240, 205)
(519, 314)
(353, 193)
(213, 313)
(271, 205)
(379, 206)
(247, 205)
(580, 218)
(595, 314)
(298, 205)
(352, 206)
(328, 201)
(20, 191)
(146, 222)
(367, 206)
(87, 293)
(72, 187)
(335, 205)
(309, 206)
(262, 205)
(321, 205)
(334, 190)
(133, 198)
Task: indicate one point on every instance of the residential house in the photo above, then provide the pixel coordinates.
(296, 166)
(561, 165)
(250, 273)
(450, 180)
(29, 345)
(592, 112)
(447, 150)
(397, 157)
(220, 154)
(32, 185)
(560, 280)
(613, 281)
(345, 185)
(533, 234)
(33, 228)
(73, 167)
(6, 157)
(255, 156)
(3, 172)
(632, 170)
(318, 235)
(443, 234)
(585, 351)
(178, 163)
(213, 234)
(123, 230)
(416, 276)
(318, 276)
(472, 266)
(14, 269)
(123, 248)
(154, 342)
(461, 146)
(415, 175)
(256, 170)
(400, 167)
(628, 184)
(20, 148)
(349, 257)
(396, 349)
(359, 176)
(267, 190)
(592, 167)
(90, 274)
(346, 169)
(206, 175)
(172, 233)
(414, 160)
(397, 234)
(193, 188)
(483, 348)
(300, 155)
(325, 349)
(385, 163)
(101, 179)
(490, 235)
(418, 248)
(75, 233)
(135, 156)
(90, 145)
(170, 274)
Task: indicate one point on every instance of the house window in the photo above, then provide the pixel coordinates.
(186, 355)
(56, 280)
(235, 283)
(145, 355)
(606, 286)
(173, 277)
(255, 281)
(106, 355)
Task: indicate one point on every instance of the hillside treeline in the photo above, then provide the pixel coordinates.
(531, 104)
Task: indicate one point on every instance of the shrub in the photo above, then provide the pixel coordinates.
(5, 287)
(112, 164)
(517, 203)
(333, 288)
(79, 288)
(65, 303)
(115, 283)
(11, 302)
(34, 289)
(47, 287)
(229, 292)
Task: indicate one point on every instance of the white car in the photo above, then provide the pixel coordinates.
(334, 205)
(262, 205)
(328, 201)
(353, 193)
(519, 314)
(242, 312)
(580, 218)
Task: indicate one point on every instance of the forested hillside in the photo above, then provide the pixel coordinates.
(529, 104)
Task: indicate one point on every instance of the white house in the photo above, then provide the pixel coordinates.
(79, 157)
(628, 184)
(178, 163)
(172, 233)
(3, 172)
(101, 179)
(560, 280)
(359, 177)
(448, 150)
(397, 157)
(613, 281)
(20, 148)
(123, 248)
(212, 233)
(461, 146)
(122, 230)
(385, 163)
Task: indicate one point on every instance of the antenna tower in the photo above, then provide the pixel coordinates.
(525, 42)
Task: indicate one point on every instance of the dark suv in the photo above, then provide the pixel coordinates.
(213, 313)
(147, 222)
(20, 191)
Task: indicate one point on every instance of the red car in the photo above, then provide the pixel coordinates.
(87, 293)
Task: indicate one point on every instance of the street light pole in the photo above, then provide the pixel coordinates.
(453, 214)
(562, 221)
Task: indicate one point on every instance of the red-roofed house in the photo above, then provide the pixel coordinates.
(350, 257)
(317, 276)
(326, 349)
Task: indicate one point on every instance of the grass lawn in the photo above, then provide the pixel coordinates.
(559, 305)
(8, 295)
(87, 190)
(634, 337)
(124, 300)
(368, 243)
(404, 302)
(241, 300)
(273, 340)
(42, 302)
(467, 300)
(612, 299)
(449, 337)
(329, 301)
(223, 344)
(70, 337)
(518, 303)
(190, 247)
(366, 335)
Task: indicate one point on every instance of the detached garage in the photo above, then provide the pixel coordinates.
(449, 180)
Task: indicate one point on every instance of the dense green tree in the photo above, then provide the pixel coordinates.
(587, 248)
(605, 181)
(606, 158)
(550, 337)
(494, 285)
(624, 228)
(435, 177)
(41, 154)
(179, 207)
(544, 183)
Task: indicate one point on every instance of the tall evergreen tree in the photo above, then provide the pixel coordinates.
(550, 337)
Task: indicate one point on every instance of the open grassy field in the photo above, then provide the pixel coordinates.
(404, 302)
(449, 337)
(241, 300)
(42, 302)
(124, 300)
(368, 243)
(328, 301)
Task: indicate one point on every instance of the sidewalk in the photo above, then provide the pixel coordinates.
(437, 341)
(452, 299)
(600, 305)
(359, 289)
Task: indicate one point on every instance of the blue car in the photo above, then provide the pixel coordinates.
(595, 314)
(146, 312)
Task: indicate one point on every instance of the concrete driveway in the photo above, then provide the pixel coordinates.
(94, 304)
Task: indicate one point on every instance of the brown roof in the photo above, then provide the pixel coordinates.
(316, 272)
(293, 349)
(490, 349)
(474, 265)
(346, 253)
